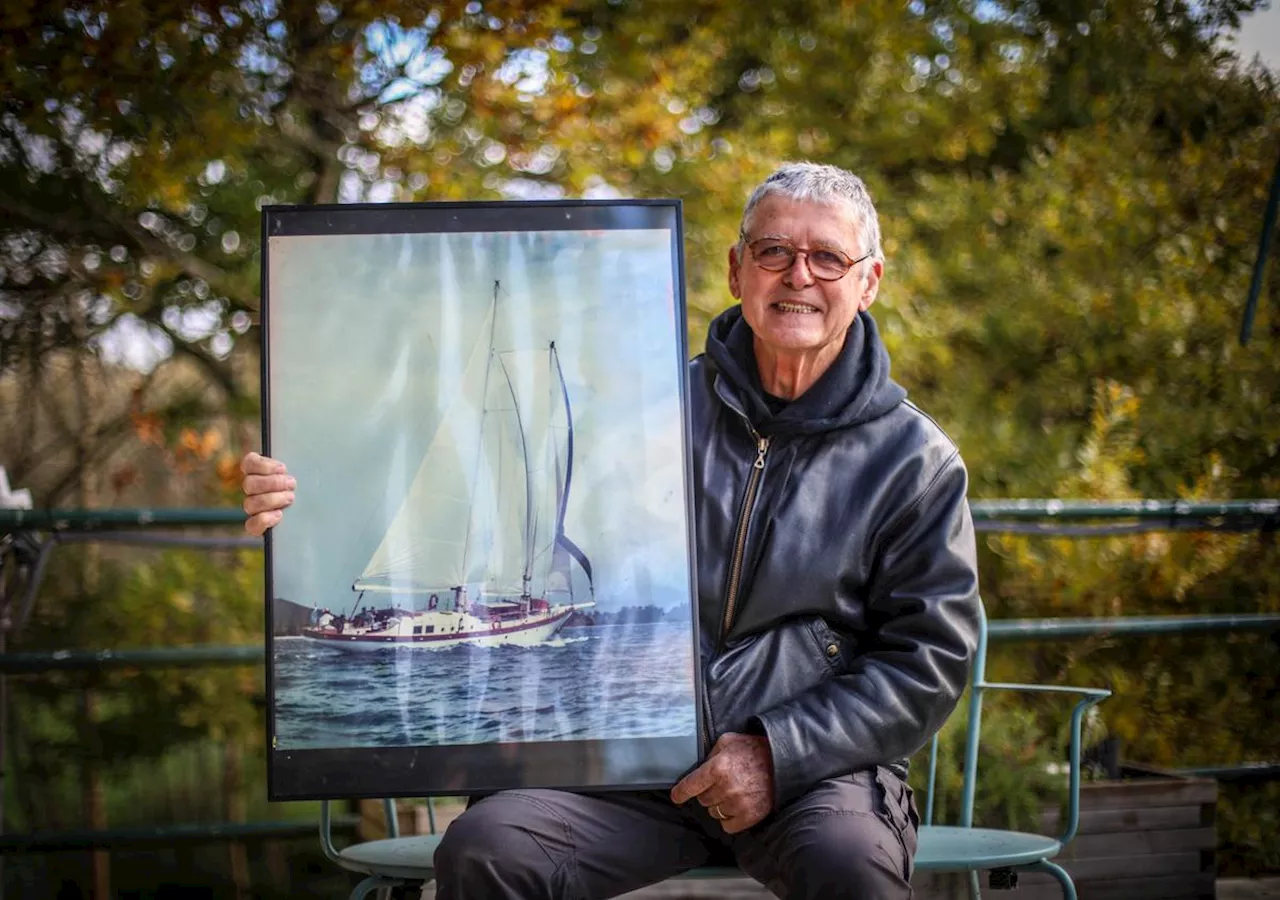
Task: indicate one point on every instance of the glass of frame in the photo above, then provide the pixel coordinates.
(486, 579)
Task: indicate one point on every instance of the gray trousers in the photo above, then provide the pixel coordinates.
(852, 837)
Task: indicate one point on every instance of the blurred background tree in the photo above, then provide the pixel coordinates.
(1070, 194)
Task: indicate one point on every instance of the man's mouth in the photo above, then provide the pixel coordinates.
(790, 306)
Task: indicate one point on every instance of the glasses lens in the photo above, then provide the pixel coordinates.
(825, 264)
(773, 255)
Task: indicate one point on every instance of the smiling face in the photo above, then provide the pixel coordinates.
(800, 322)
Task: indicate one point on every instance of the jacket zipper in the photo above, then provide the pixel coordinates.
(735, 576)
(711, 723)
(740, 540)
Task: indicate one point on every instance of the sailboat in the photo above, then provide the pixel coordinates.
(477, 552)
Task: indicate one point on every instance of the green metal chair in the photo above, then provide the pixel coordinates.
(400, 861)
(964, 848)
(391, 862)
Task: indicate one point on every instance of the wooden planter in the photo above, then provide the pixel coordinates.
(1150, 835)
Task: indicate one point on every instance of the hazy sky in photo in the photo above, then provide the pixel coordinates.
(368, 339)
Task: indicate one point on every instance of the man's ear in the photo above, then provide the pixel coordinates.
(735, 287)
(871, 287)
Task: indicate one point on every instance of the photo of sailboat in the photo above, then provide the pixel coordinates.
(477, 553)
(485, 579)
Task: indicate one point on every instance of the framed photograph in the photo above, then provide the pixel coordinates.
(486, 578)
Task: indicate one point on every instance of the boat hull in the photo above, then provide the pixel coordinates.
(526, 632)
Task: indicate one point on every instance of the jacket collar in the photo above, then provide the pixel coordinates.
(855, 389)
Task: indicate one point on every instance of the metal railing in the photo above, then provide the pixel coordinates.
(986, 513)
(45, 529)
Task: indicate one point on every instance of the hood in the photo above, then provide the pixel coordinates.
(855, 389)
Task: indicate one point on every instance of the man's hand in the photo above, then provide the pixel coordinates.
(735, 783)
(268, 489)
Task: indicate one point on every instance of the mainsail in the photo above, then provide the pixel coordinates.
(486, 508)
(425, 547)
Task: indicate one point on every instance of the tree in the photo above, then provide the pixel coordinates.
(138, 141)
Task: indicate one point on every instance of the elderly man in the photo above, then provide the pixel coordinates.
(837, 595)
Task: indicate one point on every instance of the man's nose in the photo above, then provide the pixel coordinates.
(799, 275)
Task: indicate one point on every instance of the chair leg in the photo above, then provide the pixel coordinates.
(1068, 887)
(373, 883)
(975, 892)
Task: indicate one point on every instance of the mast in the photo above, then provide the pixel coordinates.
(475, 472)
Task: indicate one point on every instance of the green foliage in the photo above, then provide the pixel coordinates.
(180, 598)
(1165, 688)
(1021, 767)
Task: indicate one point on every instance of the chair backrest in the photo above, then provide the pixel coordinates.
(326, 826)
(977, 678)
(978, 685)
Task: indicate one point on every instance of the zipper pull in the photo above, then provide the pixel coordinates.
(761, 449)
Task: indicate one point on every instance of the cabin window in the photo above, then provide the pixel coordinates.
(427, 629)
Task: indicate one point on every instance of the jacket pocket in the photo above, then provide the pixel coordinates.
(899, 810)
(832, 648)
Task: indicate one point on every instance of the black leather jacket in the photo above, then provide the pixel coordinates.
(837, 580)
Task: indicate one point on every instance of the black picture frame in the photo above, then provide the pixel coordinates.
(351, 273)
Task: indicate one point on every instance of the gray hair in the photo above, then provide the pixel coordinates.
(822, 184)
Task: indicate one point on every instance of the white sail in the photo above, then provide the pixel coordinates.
(425, 547)
(551, 561)
(517, 425)
(485, 510)
(502, 500)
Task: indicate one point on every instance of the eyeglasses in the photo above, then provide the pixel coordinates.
(775, 255)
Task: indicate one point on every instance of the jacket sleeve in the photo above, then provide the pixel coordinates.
(923, 613)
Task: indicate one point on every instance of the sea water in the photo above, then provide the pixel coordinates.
(589, 683)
